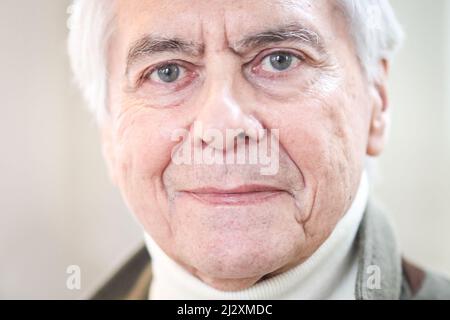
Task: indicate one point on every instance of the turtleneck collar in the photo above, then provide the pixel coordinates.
(330, 273)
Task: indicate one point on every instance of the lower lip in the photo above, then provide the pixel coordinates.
(235, 199)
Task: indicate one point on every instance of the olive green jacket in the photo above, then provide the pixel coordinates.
(382, 272)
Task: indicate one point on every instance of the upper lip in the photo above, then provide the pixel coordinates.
(247, 188)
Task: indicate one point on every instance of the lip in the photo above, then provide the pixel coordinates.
(242, 195)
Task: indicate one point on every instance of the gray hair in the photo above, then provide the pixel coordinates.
(372, 25)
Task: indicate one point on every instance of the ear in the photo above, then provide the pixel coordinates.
(380, 115)
(108, 149)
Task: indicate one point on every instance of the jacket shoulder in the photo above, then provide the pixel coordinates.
(420, 284)
(435, 287)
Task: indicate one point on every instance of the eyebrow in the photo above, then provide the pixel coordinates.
(151, 45)
(289, 32)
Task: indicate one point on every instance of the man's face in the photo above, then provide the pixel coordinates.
(276, 65)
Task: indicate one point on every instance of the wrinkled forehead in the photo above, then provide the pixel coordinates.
(219, 20)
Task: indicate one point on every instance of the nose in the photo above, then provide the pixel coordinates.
(222, 112)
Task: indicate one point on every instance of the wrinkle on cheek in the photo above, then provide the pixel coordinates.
(327, 84)
(341, 148)
(328, 81)
(124, 122)
(127, 135)
(142, 157)
(144, 141)
(304, 129)
(329, 97)
(328, 134)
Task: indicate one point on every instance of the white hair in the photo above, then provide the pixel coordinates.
(91, 24)
(372, 25)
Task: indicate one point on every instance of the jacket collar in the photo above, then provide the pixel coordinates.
(379, 260)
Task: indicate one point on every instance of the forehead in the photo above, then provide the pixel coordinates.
(196, 20)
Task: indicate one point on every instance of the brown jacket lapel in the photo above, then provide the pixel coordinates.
(131, 282)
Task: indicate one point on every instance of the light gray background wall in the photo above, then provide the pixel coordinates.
(57, 207)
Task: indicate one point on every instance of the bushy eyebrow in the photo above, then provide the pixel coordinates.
(290, 32)
(151, 45)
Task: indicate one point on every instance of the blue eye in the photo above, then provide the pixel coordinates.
(168, 73)
(279, 61)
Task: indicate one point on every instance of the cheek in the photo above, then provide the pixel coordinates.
(307, 133)
(323, 135)
(143, 149)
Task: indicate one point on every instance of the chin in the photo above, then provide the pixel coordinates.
(237, 256)
(237, 241)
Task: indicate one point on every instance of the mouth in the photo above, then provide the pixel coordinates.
(242, 195)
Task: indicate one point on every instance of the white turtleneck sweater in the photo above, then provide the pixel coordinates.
(330, 273)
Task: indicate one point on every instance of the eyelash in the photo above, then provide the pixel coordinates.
(264, 55)
(148, 72)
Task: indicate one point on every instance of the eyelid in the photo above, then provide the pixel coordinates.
(257, 61)
(154, 72)
(258, 58)
(265, 55)
(145, 75)
(263, 61)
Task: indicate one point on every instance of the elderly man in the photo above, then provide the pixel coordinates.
(238, 133)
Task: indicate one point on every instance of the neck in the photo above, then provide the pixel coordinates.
(330, 273)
